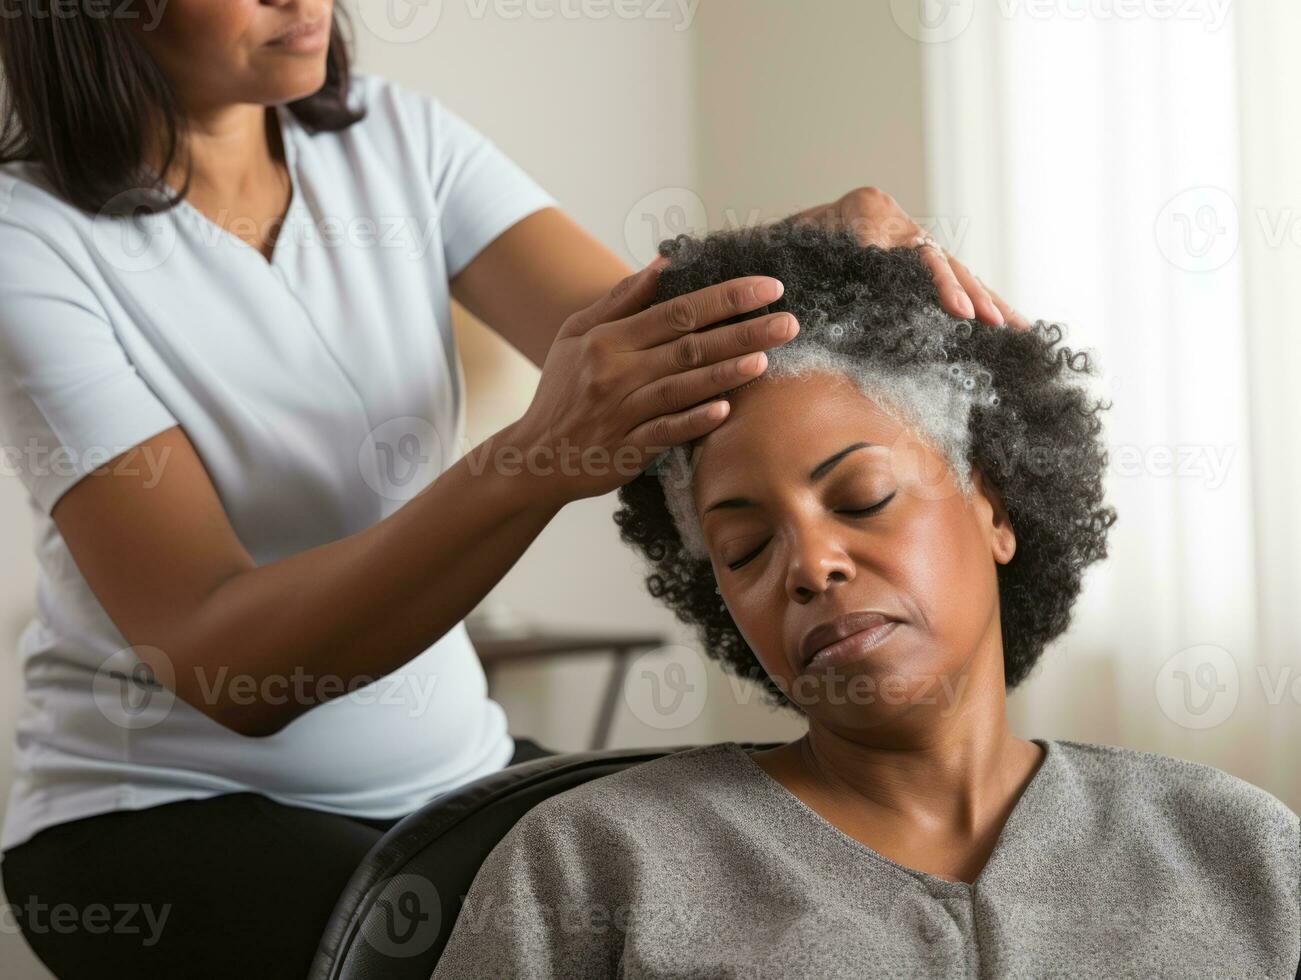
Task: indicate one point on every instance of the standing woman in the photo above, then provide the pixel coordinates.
(225, 272)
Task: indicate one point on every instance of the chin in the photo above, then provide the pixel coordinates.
(292, 84)
(871, 691)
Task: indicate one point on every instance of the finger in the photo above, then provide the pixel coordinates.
(697, 350)
(1010, 315)
(630, 294)
(684, 314)
(953, 297)
(980, 300)
(666, 431)
(680, 391)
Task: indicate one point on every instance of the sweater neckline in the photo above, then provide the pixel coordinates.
(1012, 835)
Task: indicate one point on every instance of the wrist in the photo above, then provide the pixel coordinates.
(519, 464)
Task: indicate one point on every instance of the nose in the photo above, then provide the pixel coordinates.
(816, 562)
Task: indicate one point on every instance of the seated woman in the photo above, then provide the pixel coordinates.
(885, 534)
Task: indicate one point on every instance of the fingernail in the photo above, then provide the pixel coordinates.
(965, 307)
(752, 363)
(769, 290)
(717, 410)
(783, 328)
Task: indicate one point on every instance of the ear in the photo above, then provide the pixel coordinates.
(1002, 538)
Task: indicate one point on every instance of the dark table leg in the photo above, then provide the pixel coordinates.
(613, 688)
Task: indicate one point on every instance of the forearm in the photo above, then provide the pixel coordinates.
(351, 611)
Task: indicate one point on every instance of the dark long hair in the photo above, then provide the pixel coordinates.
(85, 100)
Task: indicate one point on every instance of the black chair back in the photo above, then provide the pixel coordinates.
(395, 915)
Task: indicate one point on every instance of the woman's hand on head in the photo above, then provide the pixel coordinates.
(623, 382)
(877, 219)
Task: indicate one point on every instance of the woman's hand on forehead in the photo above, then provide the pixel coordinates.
(876, 218)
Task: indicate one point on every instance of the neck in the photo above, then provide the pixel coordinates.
(944, 766)
(229, 153)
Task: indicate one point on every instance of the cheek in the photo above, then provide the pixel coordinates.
(947, 569)
(204, 29)
(759, 621)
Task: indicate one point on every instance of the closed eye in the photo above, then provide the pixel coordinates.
(860, 512)
(869, 510)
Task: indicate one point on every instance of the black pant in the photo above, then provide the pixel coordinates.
(233, 886)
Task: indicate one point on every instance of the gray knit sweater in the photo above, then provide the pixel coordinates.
(1114, 863)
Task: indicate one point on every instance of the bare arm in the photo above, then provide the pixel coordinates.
(533, 276)
(171, 573)
(167, 566)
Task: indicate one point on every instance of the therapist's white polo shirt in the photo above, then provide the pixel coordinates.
(321, 389)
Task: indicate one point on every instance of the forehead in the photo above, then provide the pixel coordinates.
(794, 422)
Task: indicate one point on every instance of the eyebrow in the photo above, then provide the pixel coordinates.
(815, 474)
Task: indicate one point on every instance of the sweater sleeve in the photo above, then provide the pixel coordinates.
(543, 906)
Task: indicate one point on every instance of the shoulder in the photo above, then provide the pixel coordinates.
(400, 119)
(1196, 798)
(641, 802)
(46, 243)
(30, 208)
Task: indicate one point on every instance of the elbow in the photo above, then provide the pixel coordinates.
(252, 721)
(242, 724)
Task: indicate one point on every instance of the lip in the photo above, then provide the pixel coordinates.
(307, 35)
(846, 635)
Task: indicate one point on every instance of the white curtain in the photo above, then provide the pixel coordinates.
(1131, 169)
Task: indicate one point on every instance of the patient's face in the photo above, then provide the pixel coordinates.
(790, 553)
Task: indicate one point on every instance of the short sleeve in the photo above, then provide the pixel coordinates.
(539, 909)
(70, 399)
(480, 191)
